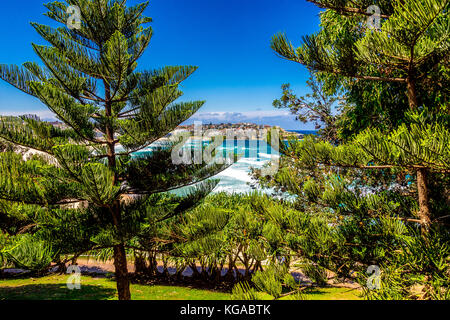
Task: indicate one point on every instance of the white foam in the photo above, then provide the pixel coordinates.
(237, 174)
(268, 156)
(254, 162)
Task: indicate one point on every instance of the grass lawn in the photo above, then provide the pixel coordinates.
(332, 294)
(54, 288)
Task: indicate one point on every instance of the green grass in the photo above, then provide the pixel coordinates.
(332, 294)
(54, 288)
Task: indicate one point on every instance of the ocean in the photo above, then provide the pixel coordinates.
(314, 132)
(236, 178)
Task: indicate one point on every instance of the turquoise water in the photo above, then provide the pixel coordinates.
(236, 178)
(255, 154)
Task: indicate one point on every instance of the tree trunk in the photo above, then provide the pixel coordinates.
(165, 261)
(412, 93)
(121, 270)
(120, 257)
(140, 266)
(229, 276)
(422, 183)
(422, 189)
(195, 273)
(152, 264)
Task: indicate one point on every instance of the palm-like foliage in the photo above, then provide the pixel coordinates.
(365, 200)
(90, 81)
(421, 146)
(413, 42)
(413, 39)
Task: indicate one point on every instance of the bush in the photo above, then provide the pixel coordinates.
(28, 253)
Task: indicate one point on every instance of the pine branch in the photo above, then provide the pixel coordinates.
(343, 9)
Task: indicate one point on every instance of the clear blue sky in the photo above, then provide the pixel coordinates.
(239, 75)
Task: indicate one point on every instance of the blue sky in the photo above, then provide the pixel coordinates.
(239, 75)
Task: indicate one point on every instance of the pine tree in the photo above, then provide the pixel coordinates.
(366, 201)
(316, 107)
(92, 189)
(413, 42)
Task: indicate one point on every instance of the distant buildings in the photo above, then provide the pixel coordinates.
(218, 128)
(59, 125)
(225, 126)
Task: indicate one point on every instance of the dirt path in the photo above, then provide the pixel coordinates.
(94, 266)
(107, 266)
